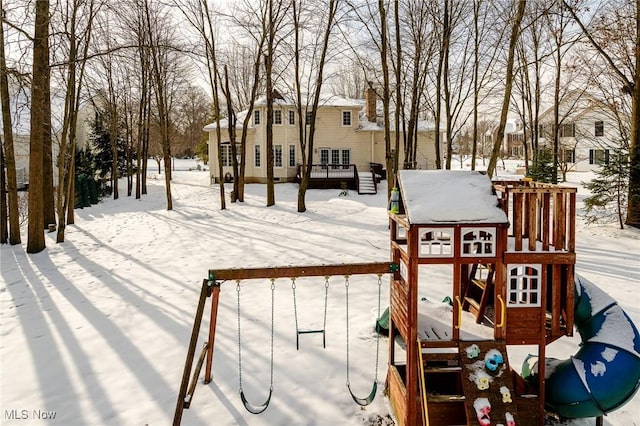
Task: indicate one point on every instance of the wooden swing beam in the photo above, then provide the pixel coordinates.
(302, 271)
(211, 288)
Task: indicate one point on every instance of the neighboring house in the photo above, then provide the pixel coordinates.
(588, 130)
(512, 146)
(348, 137)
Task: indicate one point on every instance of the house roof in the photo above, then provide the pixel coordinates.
(326, 101)
(440, 197)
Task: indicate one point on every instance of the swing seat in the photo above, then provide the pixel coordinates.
(364, 401)
(255, 409)
(299, 332)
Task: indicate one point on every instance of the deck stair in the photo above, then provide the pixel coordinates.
(479, 290)
(499, 390)
(366, 183)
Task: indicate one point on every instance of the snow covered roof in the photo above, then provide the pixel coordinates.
(449, 197)
(224, 122)
(327, 101)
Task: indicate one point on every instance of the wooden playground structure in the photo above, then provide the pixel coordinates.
(521, 237)
(510, 247)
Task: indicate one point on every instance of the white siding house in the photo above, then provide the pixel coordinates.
(348, 132)
(588, 131)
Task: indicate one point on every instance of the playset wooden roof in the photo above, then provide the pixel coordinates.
(441, 197)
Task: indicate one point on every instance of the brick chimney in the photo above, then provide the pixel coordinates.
(370, 99)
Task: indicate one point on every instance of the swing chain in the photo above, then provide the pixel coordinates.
(326, 296)
(378, 337)
(273, 288)
(346, 286)
(369, 399)
(295, 307)
(239, 346)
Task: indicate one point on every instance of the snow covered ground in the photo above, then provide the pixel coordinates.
(94, 331)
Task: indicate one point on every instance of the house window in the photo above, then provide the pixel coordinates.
(524, 285)
(307, 118)
(346, 157)
(226, 154)
(292, 118)
(292, 155)
(517, 151)
(346, 118)
(277, 155)
(324, 155)
(567, 130)
(335, 156)
(256, 117)
(599, 128)
(568, 155)
(598, 156)
(256, 156)
(277, 117)
(225, 147)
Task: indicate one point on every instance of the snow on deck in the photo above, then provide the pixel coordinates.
(449, 196)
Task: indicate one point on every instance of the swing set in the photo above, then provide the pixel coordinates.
(211, 288)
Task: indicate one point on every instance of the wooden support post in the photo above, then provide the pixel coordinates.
(212, 330)
(180, 404)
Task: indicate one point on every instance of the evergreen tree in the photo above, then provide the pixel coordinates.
(93, 164)
(609, 190)
(542, 169)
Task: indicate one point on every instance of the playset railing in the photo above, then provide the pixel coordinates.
(542, 216)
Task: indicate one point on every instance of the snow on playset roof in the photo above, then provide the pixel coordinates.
(449, 197)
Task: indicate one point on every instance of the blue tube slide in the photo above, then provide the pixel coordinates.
(605, 372)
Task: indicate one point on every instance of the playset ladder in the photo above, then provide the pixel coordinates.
(481, 384)
(479, 290)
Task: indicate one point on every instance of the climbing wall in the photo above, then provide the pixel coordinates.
(487, 381)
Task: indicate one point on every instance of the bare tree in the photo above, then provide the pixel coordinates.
(277, 10)
(77, 42)
(515, 33)
(163, 69)
(35, 233)
(200, 16)
(306, 143)
(8, 155)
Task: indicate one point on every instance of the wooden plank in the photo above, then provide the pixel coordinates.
(517, 220)
(571, 246)
(397, 395)
(302, 271)
(532, 211)
(547, 257)
(546, 225)
(556, 299)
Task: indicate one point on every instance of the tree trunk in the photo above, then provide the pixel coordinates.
(9, 154)
(389, 156)
(35, 231)
(515, 33)
(633, 208)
